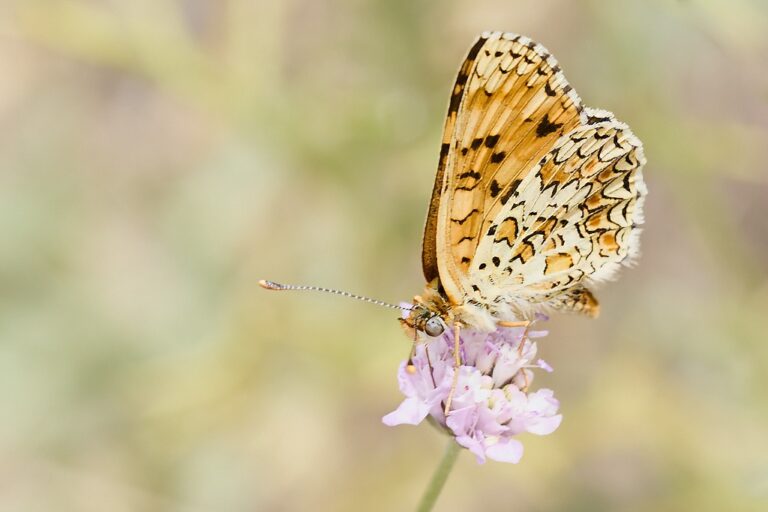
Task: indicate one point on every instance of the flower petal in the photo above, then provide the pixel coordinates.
(461, 421)
(411, 411)
(544, 366)
(544, 425)
(473, 445)
(505, 450)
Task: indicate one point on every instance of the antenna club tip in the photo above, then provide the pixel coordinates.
(269, 285)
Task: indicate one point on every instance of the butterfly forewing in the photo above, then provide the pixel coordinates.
(510, 104)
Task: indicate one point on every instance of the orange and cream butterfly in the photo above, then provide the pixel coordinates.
(536, 196)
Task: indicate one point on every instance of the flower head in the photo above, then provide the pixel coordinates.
(492, 403)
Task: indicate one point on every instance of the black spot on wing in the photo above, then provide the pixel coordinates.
(627, 182)
(498, 157)
(546, 127)
(465, 219)
(491, 140)
(510, 191)
(605, 135)
(444, 149)
(495, 188)
(597, 119)
(470, 174)
(625, 211)
(554, 185)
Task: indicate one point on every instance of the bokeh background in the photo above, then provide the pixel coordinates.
(158, 157)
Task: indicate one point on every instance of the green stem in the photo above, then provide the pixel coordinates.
(432, 492)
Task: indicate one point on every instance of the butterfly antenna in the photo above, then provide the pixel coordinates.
(271, 285)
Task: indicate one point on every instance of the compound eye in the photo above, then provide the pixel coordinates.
(433, 327)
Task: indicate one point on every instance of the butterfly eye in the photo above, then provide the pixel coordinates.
(433, 327)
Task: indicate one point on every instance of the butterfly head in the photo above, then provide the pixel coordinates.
(422, 319)
(429, 314)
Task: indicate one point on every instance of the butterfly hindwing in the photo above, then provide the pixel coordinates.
(575, 218)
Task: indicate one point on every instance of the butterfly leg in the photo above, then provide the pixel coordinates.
(521, 346)
(410, 367)
(524, 323)
(456, 365)
(520, 353)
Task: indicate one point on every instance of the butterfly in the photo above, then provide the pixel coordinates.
(536, 196)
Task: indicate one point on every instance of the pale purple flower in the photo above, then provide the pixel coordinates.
(492, 403)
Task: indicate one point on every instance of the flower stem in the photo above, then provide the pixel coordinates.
(432, 492)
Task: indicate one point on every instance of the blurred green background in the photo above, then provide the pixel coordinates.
(158, 157)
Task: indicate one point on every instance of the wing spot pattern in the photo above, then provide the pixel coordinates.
(498, 157)
(470, 214)
(546, 126)
(495, 188)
